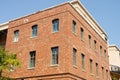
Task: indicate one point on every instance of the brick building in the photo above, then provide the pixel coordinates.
(60, 43)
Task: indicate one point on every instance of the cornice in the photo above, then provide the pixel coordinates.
(87, 16)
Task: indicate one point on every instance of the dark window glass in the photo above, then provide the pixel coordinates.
(54, 55)
(55, 25)
(82, 33)
(32, 59)
(83, 61)
(34, 30)
(16, 35)
(74, 56)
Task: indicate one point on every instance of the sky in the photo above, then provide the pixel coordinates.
(105, 12)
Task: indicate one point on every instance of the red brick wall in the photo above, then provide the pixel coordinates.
(65, 39)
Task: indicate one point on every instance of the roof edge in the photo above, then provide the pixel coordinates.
(90, 16)
(57, 5)
(114, 45)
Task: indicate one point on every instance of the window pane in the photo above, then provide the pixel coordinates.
(32, 59)
(82, 33)
(90, 66)
(105, 53)
(89, 41)
(83, 62)
(55, 55)
(106, 74)
(55, 25)
(74, 56)
(34, 30)
(102, 72)
(101, 50)
(74, 26)
(95, 44)
(16, 35)
(96, 69)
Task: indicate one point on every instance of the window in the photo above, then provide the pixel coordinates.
(96, 69)
(54, 55)
(102, 72)
(101, 50)
(55, 25)
(34, 30)
(83, 61)
(106, 74)
(89, 41)
(95, 44)
(74, 27)
(81, 33)
(91, 66)
(32, 59)
(16, 36)
(105, 53)
(74, 56)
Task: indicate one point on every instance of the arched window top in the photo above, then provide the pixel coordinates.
(54, 20)
(95, 41)
(35, 26)
(82, 29)
(74, 22)
(89, 36)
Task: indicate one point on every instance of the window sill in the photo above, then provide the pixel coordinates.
(15, 41)
(75, 66)
(97, 76)
(91, 74)
(75, 33)
(82, 40)
(83, 70)
(55, 31)
(33, 36)
(54, 65)
(31, 68)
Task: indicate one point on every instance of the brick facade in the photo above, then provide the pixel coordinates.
(65, 39)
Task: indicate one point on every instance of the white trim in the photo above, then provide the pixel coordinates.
(77, 5)
(4, 26)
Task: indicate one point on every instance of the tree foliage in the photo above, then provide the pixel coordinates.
(8, 61)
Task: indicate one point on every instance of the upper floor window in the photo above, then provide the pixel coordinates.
(55, 25)
(103, 73)
(83, 61)
(34, 30)
(81, 33)
(89, 40)
(101, 50)
(74, 27)
(16, 36)
(96, 69)
(54, 55)
(74, 56)
(106, 74)
(32, 59)
(91, 65)
(105, 53)
(95, 43)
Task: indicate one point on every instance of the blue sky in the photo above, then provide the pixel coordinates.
(105, 12)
